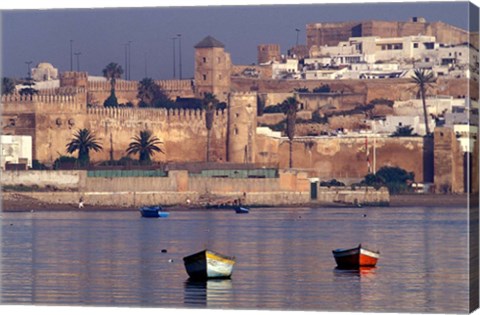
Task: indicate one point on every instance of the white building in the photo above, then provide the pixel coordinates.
(44, 72)
(325, 74)
(392, 123)
(15, 149)
(289, 68)
(438, 105)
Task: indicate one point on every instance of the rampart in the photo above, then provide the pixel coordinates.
(321, 34)
(182, 131)
(392, 89)
(290, 188)
(345, 158)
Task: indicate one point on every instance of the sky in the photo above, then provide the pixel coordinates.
(100, 35)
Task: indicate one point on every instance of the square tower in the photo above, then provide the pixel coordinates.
(212, 69)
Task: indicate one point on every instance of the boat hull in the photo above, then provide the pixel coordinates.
(355, 257)
(239, 209)
(153, 212)
(207, 265)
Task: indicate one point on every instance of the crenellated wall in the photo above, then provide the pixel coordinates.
(346, 157)
(183, 132)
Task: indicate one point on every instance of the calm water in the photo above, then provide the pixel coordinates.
(284, 259)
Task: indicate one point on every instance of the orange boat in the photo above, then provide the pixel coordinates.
(355, 257)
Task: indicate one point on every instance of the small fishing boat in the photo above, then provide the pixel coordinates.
(153, 212)
(240, 209)
(207, 264)
(355, 257)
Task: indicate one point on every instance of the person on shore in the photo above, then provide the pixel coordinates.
(80, 203)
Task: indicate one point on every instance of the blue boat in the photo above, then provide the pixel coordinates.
(153, 212)
(240, 209)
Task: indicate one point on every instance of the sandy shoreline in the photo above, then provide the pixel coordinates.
(395, 201)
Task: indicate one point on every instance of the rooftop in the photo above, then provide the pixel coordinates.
(209, 42)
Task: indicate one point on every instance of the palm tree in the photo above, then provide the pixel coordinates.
(290, 108)
(209, 104)
(423, 79)
(146, 145)
(8, 86)
(150, 94)
(84, 141)
(112, 72)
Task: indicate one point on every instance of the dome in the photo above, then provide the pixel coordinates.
(45, 65)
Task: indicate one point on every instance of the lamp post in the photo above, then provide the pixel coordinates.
(126, 60)
(71, 55)
(173, 42)
(28, 63)
(129, 60)
(180, 54)
(77, 54)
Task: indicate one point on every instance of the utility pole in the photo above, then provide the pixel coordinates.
(28, 69)
(173, 42)
(71, 55)
(126, 61)
(77, 54)
(129, 60)
(180, 54)
(146, 75)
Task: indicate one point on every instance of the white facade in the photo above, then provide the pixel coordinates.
(465, 135)
(44, 72)
(391, 123)
(327, 74)
(15, 149)
(435, 106)
(280, 70)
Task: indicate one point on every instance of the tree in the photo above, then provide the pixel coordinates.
(28, 88)
(112, 72)
(209, 104)
(151, 94)
(290, 108)
(396, 179)
(84, 141)
(423, 80)
(8, 86)
(145, 144)
(404, 131)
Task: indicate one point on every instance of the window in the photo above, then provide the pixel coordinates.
(204, 77)
(204, 60)
(219, 76)
(415, 45)
(427, 59)
(235, 131)
(429, 45)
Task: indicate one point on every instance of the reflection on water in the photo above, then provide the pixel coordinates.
(283, 259)
(212, 292)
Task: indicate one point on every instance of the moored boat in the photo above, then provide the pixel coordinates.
(208, 264)
(153, 212)
(241, 209)
(355, 257)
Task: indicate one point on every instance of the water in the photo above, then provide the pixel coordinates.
(284, 259)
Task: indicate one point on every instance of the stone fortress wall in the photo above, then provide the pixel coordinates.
(331, 33)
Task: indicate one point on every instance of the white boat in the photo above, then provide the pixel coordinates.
(207, 264)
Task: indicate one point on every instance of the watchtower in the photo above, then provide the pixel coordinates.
(212, 69)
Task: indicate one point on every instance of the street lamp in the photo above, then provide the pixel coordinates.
(173, 42)
(129, 60)
(71, 55)
(77, 54)
(126, 61)
(180, 54)
(28, 68)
